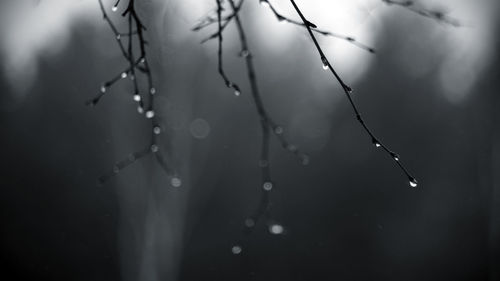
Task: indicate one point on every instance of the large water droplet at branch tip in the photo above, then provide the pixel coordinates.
(413, 182)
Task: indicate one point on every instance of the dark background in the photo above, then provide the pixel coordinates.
(348, 215)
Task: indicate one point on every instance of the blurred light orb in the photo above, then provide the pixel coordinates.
(199, 128)
(276, 229)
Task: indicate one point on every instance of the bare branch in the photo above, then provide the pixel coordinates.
(347, 90)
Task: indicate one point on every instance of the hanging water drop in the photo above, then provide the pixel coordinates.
(325, 63)
(375, 142)
(137, 97)
(264, 3)
(124, 74)
(278, 130)
(176, 182)
(267, 186)
(276, 229)
(237, 93)
(103, 89)
(118, 37)
(154, 148)
(140, 109)
(156, 130)
(236, 250)
(152, 91)
(348, 89)
(114, 8)
(413, 182)
(150, 114)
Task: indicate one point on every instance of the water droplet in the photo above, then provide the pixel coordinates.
(143, 60)
(236, 250)
(413, 182)
(124, 75)
(152, 91)
(325, 63)
(176, 182)
(118, 37)
(114, 8)
(395, 157)
(276, 229)
(150, 114)
(157, 130)
(154, 148)
(103, 89)
(140, 109)
(132, 77)
(249, 223)
(264, 3)
(348, 89)
(375, 142)
(237, 93)
(267, 186)
(137, 97)
(278, 130)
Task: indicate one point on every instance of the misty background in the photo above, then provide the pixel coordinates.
(430, 93)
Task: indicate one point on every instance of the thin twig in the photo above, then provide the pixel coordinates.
(349, 39)
(432, 14)
(135, 35)
(348, 91)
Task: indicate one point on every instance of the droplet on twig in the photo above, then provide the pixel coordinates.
(325, 63)
(137, 97)
(278, 130)
(176, 182)
(124, 75)
(264, 3)
(156, 130)
(150, 114)
(152, 91)
(114, 8)
(236, 250)
(413, 182)
(154, 148)
(267, 186)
